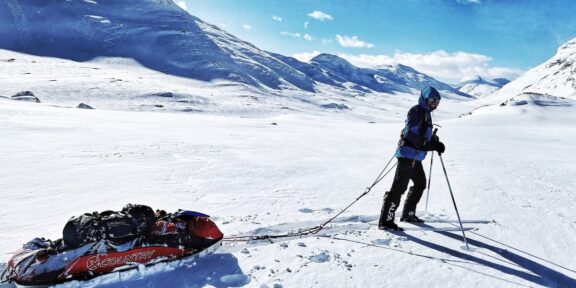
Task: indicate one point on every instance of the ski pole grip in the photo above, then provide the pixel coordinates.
(435, 130)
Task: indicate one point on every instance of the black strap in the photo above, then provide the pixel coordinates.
(9, 278)
(405, 142)
(424, 124)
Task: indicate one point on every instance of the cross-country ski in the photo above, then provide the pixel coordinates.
(438, 229)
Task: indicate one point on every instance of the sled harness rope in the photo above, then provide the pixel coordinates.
(8, 277)
(315, 229)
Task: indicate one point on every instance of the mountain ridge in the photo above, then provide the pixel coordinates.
(161, 36)
(555, 78)
(479, 87)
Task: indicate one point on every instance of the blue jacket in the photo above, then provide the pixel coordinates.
(418, 128)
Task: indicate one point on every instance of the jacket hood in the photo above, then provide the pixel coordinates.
(425, 94)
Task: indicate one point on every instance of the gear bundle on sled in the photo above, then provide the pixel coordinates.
(94, 244)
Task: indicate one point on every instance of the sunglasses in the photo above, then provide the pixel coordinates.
(435, 101)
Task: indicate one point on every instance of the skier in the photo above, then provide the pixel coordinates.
(416, 138)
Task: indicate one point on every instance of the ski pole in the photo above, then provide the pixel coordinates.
(454, 201)
(430, 174)
(429, 180)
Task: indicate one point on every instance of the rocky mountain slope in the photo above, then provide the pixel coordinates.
(553, 79)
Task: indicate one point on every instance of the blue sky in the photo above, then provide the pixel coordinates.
(448, 39)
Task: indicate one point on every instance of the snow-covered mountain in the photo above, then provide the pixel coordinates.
(480, 87)
(554, 79)
(121, 84)
(156, 33)
(160, 35)
(333, 70)
(408, 76)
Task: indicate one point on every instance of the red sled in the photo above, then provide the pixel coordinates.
(166, 237)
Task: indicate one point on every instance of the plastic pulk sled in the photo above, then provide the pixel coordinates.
(95, 244)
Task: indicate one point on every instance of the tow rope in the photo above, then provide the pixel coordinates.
(315, 229)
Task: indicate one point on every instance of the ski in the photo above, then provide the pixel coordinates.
(437, 229)
(456, 221)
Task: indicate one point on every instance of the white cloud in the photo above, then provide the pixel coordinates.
(247, 27)
(307, 37)
(295, 35)
(444, 66)
(306, 24)
(320, 16)
(277, 18)
(347, 41)
(182, 5)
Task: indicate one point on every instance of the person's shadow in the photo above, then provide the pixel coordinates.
(540, 275)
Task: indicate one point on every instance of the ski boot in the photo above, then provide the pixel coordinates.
(389, 225)
(411, 218)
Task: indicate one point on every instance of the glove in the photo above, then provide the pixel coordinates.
(439, 147)
(435, 146)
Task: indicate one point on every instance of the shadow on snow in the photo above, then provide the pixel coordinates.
(214, 270)
(540, 275)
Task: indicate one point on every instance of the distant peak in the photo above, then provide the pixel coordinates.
(478, 80)
(328, 57)
(385, 67)
(501, 81)
(404, 67)
(396, 68)
(472, 79)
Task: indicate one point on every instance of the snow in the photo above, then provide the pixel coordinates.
(479, 87)
(479, 90)
(510, 164)
(265, 161)
(123, 84)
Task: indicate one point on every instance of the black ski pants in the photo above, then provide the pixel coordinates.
(406, 170)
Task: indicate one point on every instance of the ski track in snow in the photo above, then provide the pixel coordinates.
(508, 164)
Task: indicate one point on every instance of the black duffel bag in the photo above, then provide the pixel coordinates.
(117, 227)
(143, 216)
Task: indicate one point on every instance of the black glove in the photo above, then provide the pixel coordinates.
(439, 147)
(435, 146)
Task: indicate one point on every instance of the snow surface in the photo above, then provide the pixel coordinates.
(280, 164)
(122, 84)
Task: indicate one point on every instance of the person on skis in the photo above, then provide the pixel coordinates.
(416, 138)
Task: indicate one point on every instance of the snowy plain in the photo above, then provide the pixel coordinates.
(267, 164)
